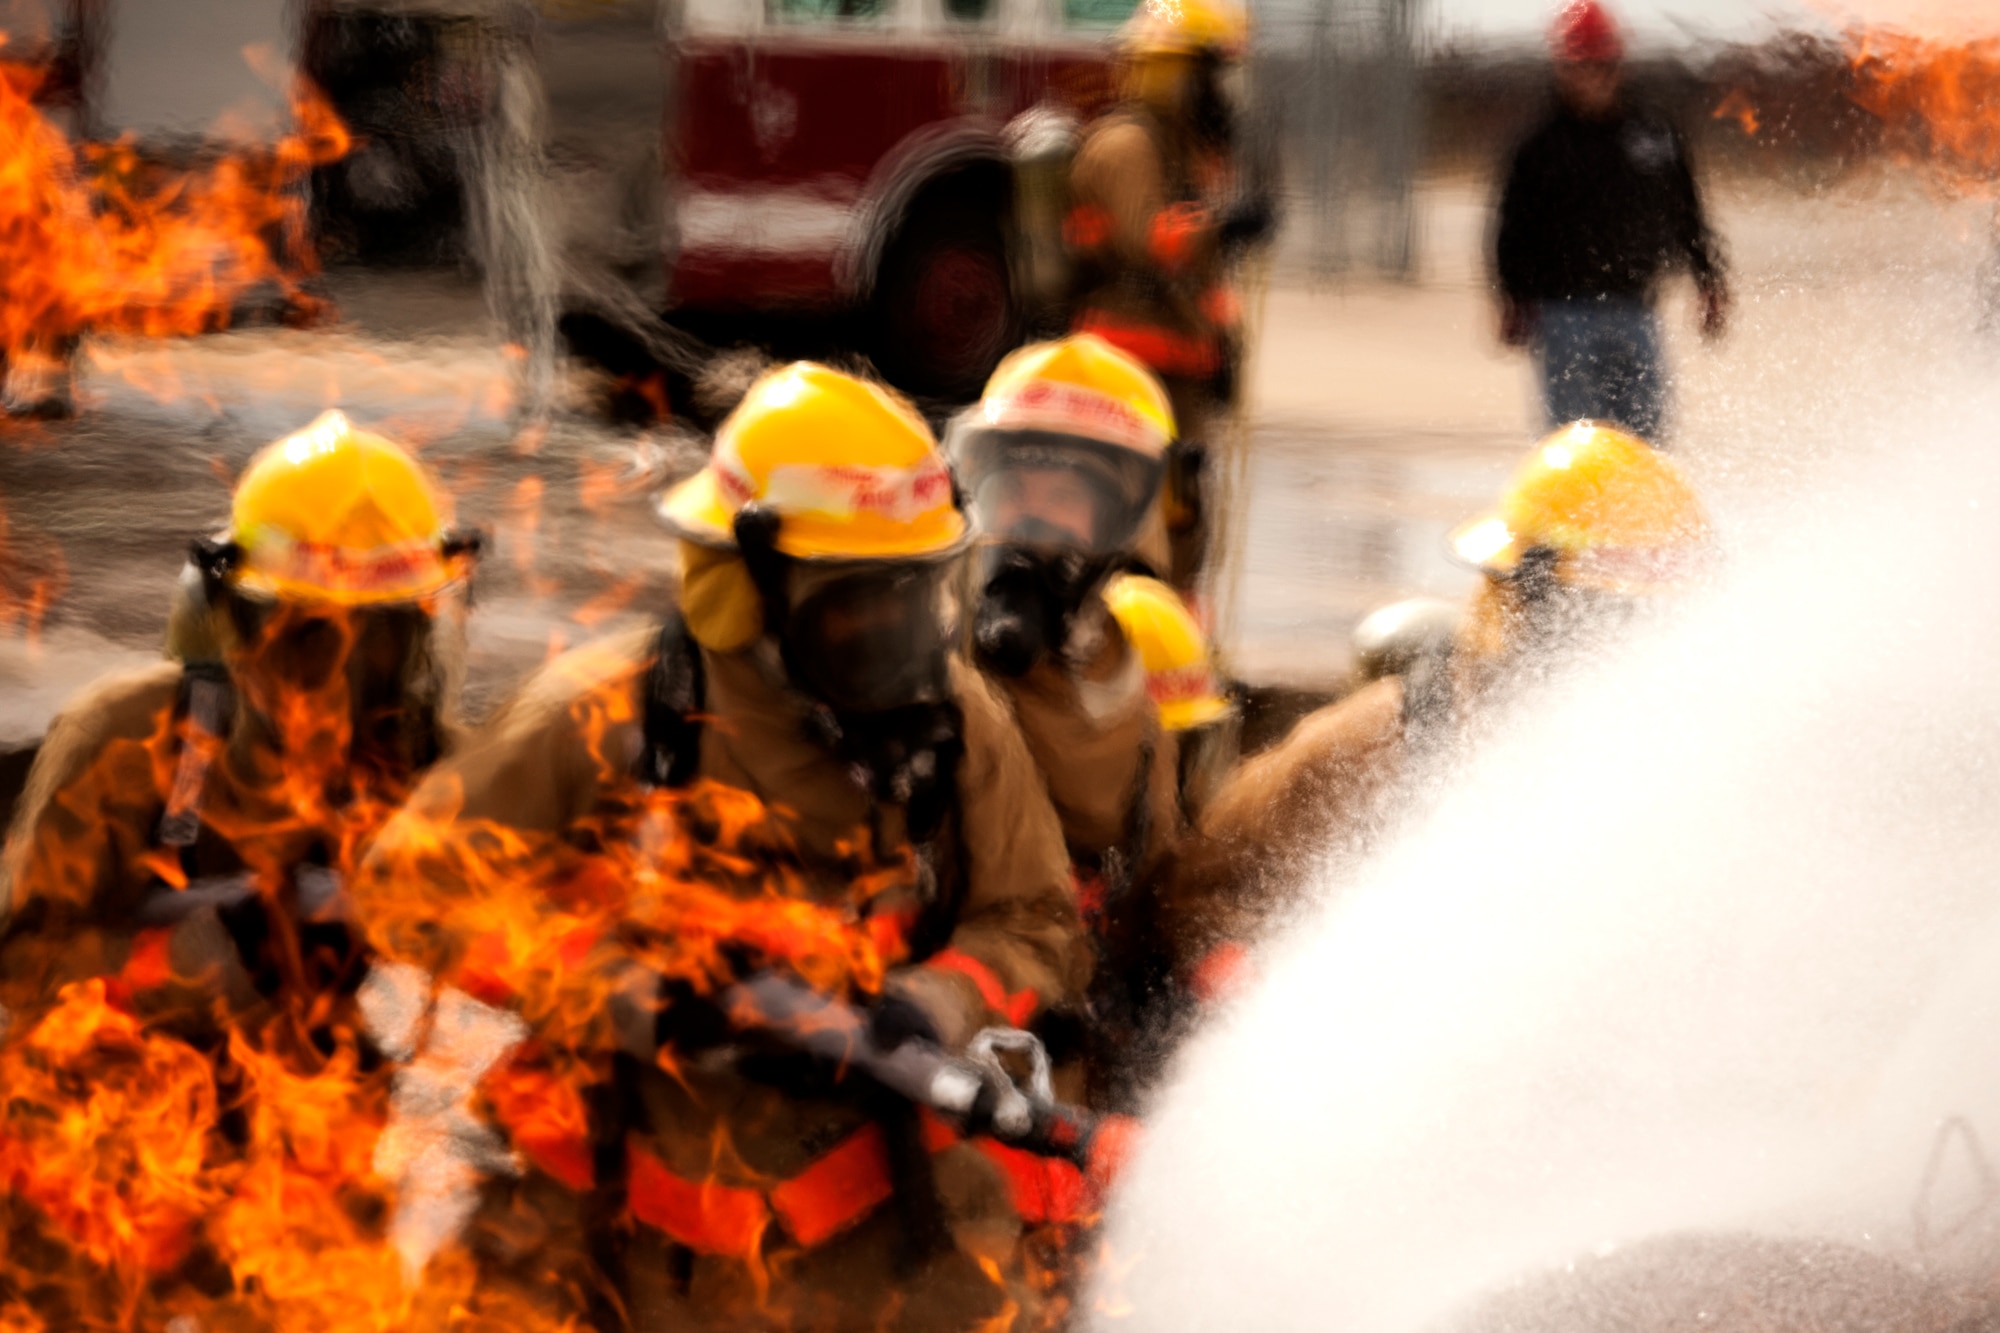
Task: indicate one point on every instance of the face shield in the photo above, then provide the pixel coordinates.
(870, 637)
(1058, 512)
(319, 675)
(1052, 491)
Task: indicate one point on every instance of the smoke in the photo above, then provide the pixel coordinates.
(1705, 941)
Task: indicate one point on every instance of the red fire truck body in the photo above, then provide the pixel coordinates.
(862, 160)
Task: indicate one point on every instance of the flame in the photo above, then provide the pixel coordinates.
(229, 1179)
(280, 1163)
(98, 240)
(1737, 106)
(32, 575)
(608, 603)
(658, 889)
(521, 531)
(105, 1136)
(1938, 101)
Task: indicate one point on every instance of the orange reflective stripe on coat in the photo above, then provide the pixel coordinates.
(1168, 353)
(1017, 1008)
(706, 1216)
(1051, 1191)
(1087, 227)
(837, 1190)
(1175, 235)
(848, 1182)
(1046, 1190)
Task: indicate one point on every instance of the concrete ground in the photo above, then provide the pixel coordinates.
(1379, 415)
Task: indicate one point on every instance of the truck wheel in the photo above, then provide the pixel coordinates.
(944, 311)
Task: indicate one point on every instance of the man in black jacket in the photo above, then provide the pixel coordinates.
(1599, 205)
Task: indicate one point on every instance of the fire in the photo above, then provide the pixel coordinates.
(1737, 106)
(168, 1157)
(98, 240)
(269, 1175)
(584, 931)
(32, 575)
(106, 1137)
(1937, 101)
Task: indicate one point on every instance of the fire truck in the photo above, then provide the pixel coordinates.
(863, 157)
(750, 164)
(869, 166)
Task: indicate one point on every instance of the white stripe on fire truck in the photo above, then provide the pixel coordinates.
(787, 222)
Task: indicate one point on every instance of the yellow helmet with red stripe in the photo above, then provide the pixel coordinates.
(340, 515)
(1076, 405)
(1180, 677)
(1080, 385)
(1616, 513)
(850, 472)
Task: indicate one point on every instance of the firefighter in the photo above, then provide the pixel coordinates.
(812, 663)
(1594, 526)
(1195, 707)
(185, 826)
(1061, 460)
(174, 872)
(1155, 215)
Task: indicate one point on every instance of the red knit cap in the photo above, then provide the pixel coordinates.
(1585, 31)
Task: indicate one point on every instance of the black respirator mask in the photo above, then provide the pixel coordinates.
(869, 643)
(1061, 513)
(1029, 598)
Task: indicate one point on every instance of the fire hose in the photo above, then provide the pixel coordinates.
(976, 1091)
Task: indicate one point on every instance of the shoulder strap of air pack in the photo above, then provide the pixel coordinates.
(205, 701)
(675, 694)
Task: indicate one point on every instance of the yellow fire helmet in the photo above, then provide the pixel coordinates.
(1075, 407)
(1179, 675)
(850, 471)
(340, 515)
(1184, 27)
(1618, 515)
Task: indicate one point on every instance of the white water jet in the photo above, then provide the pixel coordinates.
(1706, 940)
(512, 215)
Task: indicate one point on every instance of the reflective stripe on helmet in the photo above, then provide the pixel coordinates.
(1051, 405)
(1182, 684)
(844, 490)
(277, 561)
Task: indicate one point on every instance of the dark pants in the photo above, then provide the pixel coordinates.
(1600, 359)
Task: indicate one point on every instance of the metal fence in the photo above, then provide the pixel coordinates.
(1338, 91)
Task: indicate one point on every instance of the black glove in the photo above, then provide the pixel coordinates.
(1246, 222)
(894, 1020)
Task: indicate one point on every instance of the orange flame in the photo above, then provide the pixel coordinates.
(106, 1135)
(144, 1158)
(1938, 101)
(146, 1177)
(98, 240)
(32, 576)
(1737, 106)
